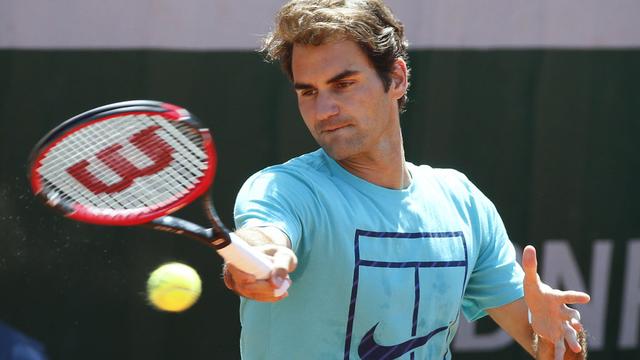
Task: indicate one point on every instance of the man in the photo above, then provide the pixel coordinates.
(387, 252)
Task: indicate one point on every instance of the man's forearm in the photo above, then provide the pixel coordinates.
(256, 236)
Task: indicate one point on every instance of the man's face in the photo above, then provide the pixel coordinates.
(342, 99)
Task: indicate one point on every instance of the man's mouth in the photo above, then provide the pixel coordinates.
(333, 127)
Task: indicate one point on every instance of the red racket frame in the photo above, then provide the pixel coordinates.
(79, 212)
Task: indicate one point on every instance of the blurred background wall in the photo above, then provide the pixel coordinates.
(538, 102)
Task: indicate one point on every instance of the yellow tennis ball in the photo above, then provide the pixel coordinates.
(173, 287)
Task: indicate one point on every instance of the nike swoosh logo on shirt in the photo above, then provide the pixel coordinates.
(369, 349)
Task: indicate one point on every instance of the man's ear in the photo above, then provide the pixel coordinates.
(399, 83)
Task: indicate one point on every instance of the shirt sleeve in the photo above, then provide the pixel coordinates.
(497, 278)
(273, 197)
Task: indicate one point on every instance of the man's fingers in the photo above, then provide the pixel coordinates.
(572, 313)
(530, 264)
(228, 279)
(284, 258)
(571, 337)
(559, 350)
(236, 279)
(239, 276)
(284, 262)
(576, 324)
(575, 297)
(260, 290)
(574, 319)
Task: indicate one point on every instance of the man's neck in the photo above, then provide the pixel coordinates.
(386, 167)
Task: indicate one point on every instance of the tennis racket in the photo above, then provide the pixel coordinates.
(134, 163)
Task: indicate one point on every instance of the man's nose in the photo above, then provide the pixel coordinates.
(326, 106)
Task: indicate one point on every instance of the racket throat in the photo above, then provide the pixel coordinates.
(219, 233)
(219, 240)
(209, 237)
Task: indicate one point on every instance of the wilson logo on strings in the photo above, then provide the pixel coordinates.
(147, 141)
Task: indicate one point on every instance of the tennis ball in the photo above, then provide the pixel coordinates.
(173, 287)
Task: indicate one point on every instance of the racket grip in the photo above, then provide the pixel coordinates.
(247, 259)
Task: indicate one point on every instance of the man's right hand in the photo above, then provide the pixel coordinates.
(284, 262)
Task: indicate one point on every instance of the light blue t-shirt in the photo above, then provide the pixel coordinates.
(382, 273)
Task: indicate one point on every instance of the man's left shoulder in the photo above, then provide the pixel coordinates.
(454, 185)
(449, 179)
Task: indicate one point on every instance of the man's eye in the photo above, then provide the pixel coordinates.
(344, 84)
(309, 92)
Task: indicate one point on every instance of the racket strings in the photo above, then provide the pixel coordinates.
(151, 188)
(180, 141)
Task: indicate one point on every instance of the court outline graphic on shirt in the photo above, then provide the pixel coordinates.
(368, 348)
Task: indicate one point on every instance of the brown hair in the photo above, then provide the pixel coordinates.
(369, 23)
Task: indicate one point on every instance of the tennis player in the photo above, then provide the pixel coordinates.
(386, 253)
